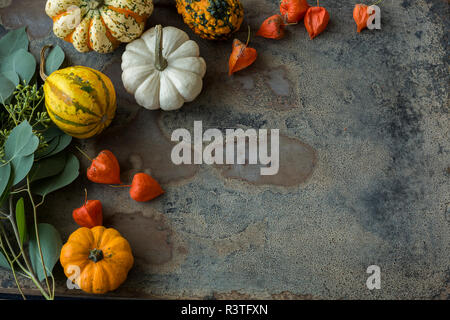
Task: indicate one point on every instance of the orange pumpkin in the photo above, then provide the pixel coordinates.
(97, 259)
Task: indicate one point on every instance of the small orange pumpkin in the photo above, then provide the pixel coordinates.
(97, 259)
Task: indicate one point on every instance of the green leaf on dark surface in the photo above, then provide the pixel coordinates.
(66, 177)
(5, 194)
(7, 86)
(64, 141)
(5, 174)
(21, 166)
(52, 132)
(21, 221)
(18, 141)
(13, 41)
(54, 60)
(3, 262)
(51, 145)
(51, 245)
(47, 167)
(22, 62)
(57, 141)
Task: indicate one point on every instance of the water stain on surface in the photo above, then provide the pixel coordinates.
(259, 87)
(29, 13)
(297, 163)
(154, 244)
(253, 236)
(277, 81)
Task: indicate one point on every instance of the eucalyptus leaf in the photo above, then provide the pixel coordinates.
(5, 174)
(51, 245)
(18, 140)
(21, 221)
(21, 166)
(6, 189)
(47, 167)
(3, 262)
(51, 146)
(13, 41)
(7, 87)
(30, 147)
(52, 132)
(52, 137)
(12, 76)
(63, 143)
(66, 177)
(22, 62)
(54, 60)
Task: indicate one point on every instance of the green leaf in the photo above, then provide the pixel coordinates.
(54, 60)
(13, 41)
(5, 194)
(21, 221)
(18, 141)
(22, 62)
(51, 146)
(12, 76)
(31, 146)
(21, 167)
(5, 174)
(51, 245)
(47, 167)
(7, 87)
(66, 177)
(3, 262)
(52, 132)
(63, 143)
(52, 137)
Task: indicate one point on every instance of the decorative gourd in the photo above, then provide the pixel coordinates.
(81, 101)
(163, 69)
(99, 25)
(97, 259)
(212, 19)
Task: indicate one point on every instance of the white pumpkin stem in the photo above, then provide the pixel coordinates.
(42, 65)
(160, 61)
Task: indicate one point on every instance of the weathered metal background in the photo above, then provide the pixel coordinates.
(364, 176)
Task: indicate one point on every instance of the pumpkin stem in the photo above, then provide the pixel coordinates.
(160, 61)
(96, 255)
(42, 65)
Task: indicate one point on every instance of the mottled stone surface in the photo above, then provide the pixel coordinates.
(365, 126)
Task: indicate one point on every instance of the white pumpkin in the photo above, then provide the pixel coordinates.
(163, 69)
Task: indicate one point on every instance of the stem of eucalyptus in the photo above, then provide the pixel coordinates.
(160, 61)
(29, 269)
(37, 235)
(11, 263)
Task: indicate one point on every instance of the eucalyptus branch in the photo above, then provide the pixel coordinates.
(29, 269)
(11, 264)
(37, 234)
